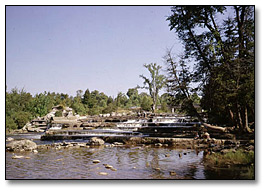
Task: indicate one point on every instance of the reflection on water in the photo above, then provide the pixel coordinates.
(130, 162)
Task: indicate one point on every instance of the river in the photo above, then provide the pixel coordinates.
(130, 162)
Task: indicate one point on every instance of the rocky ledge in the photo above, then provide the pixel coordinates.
(208, 145)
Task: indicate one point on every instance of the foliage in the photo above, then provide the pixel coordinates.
(21, 106)
(58, 113)
(146, 103)
(223, 57)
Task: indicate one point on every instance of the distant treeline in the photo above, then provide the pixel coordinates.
(21, 106)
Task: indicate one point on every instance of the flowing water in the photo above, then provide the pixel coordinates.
(131, 162)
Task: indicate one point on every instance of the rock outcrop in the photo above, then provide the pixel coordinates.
(21, 145)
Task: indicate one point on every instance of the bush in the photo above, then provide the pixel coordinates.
(58, 113)
(21, 118)
(10, 123)
(109, 109)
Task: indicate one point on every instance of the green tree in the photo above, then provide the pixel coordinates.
(146, 103)
(21, 118)
(134, 98)
(223, 56)
(78, 106)
(121, 100)
(155, 83)
(41, 104)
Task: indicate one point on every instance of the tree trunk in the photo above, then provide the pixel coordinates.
(245, 121)
(239, 123)
(154, 104)
(232, 117)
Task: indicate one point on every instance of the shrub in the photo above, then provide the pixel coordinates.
(10, 123)
(58, 113)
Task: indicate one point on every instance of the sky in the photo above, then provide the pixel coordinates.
(67, 48)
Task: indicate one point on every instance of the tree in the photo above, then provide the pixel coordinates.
(121, 99)
(86, 97)
(134, 98)
(146, 102)
(155, 83)
(223, 56)
(78, 106)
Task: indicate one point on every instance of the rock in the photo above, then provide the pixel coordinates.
(35, 151)
(27, 157)
(206, 135)
(103, 173)
(158, 144)
(96, 161)
(26, 145)
(113, 169)
(17, 157)
(157, 169)
(250, 147)
(167, 155)
(180, 155)
(96, 141)
(172, 173)
(117, 143)
(9, 139)
(81, 144)
(108, 166)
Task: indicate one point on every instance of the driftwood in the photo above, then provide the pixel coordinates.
(215, 128)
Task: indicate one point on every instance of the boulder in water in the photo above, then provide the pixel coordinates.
(96, 141)
(21, 145)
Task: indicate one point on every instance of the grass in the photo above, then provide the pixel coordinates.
(239, 157)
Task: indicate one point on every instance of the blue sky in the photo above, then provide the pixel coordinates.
(67, 48)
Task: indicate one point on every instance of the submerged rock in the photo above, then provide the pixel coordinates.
(21, 145)
(103, 173)
(96, 161)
